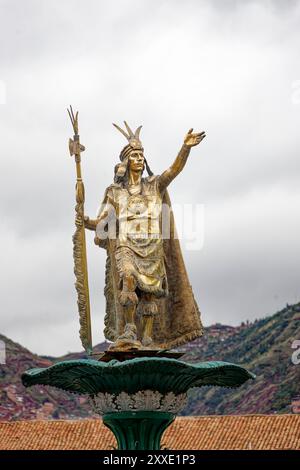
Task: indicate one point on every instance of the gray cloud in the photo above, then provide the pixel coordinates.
(226, 67)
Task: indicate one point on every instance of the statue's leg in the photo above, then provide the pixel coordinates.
(128, 299)
(147, 309)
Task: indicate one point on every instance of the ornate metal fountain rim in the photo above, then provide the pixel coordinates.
(164, 375)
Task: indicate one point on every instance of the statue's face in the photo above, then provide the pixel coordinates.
(136, 160)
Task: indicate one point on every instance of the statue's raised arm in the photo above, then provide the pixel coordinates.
(191, 140)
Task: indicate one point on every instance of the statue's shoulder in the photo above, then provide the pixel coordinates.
(151, 179)
(113, 192)
(113, 187)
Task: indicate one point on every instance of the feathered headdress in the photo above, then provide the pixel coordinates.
(134, 144)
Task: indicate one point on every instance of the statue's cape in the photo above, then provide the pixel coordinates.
(178, 320)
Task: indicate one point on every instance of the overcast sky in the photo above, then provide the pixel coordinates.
(230, 68)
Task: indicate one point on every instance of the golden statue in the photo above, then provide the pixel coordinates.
(149, 300)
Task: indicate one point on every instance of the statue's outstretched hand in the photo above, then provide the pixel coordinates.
(193, 139)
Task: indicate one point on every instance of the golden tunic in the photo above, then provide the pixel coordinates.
(139, 244)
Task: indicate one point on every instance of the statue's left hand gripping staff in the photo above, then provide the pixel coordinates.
(79, 243)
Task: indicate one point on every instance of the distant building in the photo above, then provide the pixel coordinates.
(45, 412)
(295, 405)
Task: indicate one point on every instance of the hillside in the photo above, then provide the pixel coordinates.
(38, 402)
(264, 347)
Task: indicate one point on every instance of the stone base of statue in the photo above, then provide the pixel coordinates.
(138, 397)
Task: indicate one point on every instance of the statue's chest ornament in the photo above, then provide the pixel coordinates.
(145, 205)
(137, 206)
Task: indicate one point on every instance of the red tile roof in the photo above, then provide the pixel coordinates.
(204, 432)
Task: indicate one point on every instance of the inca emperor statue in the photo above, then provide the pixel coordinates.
(149, 300)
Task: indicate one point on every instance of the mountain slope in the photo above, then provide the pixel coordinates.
(265, 348)
(40, 402)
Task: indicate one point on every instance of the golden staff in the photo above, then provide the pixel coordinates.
(79, 244)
